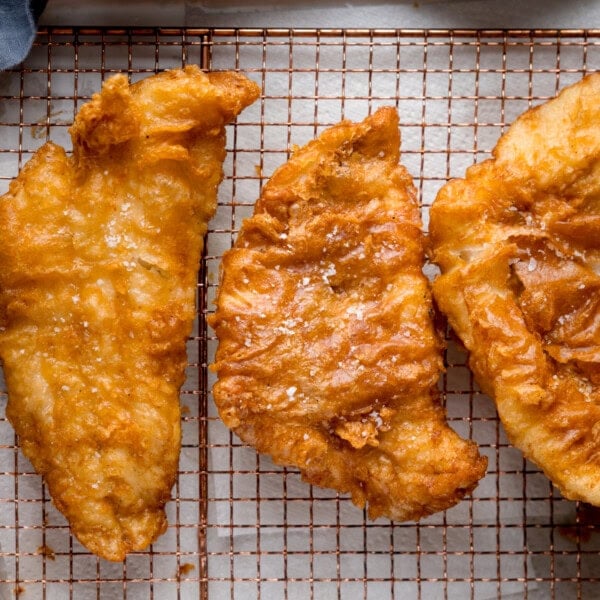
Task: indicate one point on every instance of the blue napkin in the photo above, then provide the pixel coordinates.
(18, 26)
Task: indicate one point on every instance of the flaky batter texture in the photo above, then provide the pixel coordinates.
(518, 243)
(98, 260)
(328, 359)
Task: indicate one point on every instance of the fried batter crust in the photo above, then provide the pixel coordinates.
(328, 359)
(517, 241)
(98, 266)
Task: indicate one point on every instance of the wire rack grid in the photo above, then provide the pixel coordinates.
(241, 527)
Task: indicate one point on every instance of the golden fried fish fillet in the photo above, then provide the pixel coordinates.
(328, 359)
(518, 243)
(98, 260)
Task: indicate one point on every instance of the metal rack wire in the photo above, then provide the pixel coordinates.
(240, 526)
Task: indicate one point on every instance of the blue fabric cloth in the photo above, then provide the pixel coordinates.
(18, 25)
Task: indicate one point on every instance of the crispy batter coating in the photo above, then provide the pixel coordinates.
(328, 358)
(518, 243)
(98, 266)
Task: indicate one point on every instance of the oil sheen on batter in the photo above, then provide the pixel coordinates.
(98, 260)
(518, 244)
(328, 358)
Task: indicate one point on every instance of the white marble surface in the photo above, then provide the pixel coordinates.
(328, 13)
(269, 509)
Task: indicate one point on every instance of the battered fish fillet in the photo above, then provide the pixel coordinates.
(98, 260)
(328, 359)
(518, 243)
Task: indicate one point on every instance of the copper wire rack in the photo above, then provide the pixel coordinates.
(241, 527)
